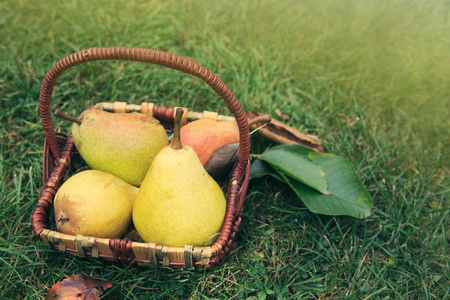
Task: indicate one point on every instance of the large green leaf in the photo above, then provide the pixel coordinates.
(345, 194)
(293, 161)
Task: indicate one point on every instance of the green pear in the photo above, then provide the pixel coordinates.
(178, 202)
(122, 144)
(94, 203)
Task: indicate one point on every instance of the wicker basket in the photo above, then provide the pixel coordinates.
(59, 151)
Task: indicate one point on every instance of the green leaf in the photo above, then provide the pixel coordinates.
(259, 168)
(270, 292)
(294, 161)
(262, 295)
(326, 183)
(347, 196)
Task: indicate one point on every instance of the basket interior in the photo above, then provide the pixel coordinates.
(77, 164)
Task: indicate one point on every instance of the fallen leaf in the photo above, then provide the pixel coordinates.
(281, 133)
(78, 287)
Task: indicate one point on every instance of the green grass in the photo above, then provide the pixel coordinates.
(369, 78)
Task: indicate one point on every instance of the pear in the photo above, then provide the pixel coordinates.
(206, 136)
(179, 203)
(122, 144)
(216, 143)
(94, 203)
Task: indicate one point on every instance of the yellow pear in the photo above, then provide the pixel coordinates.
(94, 203)
(178, 202)
(122, 144)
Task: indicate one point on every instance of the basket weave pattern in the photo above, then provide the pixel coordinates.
(59, 150)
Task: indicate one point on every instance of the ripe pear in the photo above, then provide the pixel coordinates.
(216, 143)
(179, 203)
(94, 203)
(122, 144)
(205, 136)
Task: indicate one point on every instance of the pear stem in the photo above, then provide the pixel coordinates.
(64, 116)
(176, 144)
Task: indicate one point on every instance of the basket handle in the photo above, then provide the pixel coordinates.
(156, 57)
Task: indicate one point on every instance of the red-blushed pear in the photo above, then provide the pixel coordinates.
(205, 136)
(216, 143)
(178, 202)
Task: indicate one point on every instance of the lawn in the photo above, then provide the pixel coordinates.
(370, 79)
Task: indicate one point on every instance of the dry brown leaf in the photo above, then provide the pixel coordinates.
(78, 287)
(284, 134)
